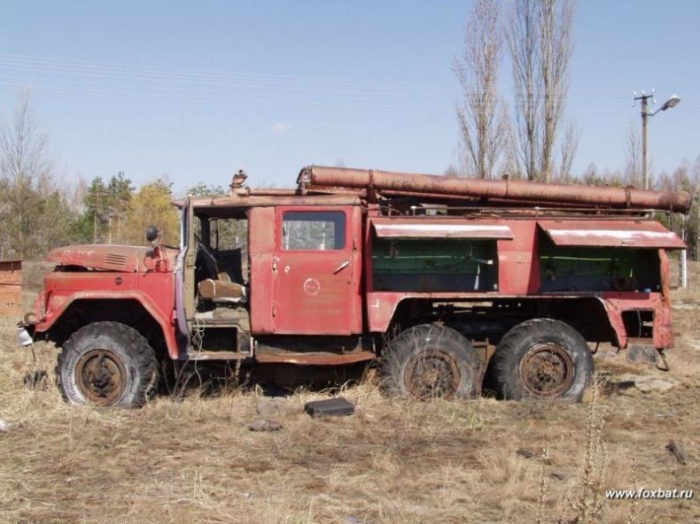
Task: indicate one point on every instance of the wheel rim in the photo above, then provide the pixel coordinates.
(101, 377)
(432, 374)
(547, 371)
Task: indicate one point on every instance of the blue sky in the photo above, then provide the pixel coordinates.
(199, 89)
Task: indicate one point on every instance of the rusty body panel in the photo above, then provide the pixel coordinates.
(655, 303)
(261, 243)
(316, 289)
(318, 176)
(154, 291)
(113, 257)
(517, 260)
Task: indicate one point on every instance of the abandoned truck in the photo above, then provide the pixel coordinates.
(448, 283)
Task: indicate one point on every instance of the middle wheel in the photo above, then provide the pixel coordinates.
(430, 361)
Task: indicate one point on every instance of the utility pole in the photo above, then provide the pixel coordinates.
(645, 114)
(644, 99)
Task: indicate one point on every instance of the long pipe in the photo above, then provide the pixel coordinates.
(513, 190)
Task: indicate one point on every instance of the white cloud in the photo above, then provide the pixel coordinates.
(280, 128)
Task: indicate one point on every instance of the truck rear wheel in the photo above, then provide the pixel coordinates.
(430, 361)
(542, 359)
(107, 364)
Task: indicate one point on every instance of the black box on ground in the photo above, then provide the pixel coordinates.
(333, 407)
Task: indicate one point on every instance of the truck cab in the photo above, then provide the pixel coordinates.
(261, 271)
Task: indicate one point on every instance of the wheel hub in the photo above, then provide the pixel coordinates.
(547, 370)
(432, 374)
(101, 377)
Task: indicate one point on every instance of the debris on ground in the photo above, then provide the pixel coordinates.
(4, 426)
(525, 453)
(676, 448)
(333, 407)
(263, 424)
(649, 384)
(274, 407)
(643, 384)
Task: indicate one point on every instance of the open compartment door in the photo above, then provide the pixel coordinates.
(613, 233)
(436, 255)
(437, 228)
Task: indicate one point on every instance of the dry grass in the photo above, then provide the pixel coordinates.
(392, 462)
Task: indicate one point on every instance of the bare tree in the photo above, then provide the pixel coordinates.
(568, 148)
(556, 46)
(522, 37)
(482, 116)
(24, 167)
(540, 41)
(34, 212)
(633, 158)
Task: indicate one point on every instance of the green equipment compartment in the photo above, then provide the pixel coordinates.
(434, 264)
(598, 268)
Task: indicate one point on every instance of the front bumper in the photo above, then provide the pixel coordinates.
(25, 330)
(24, 338)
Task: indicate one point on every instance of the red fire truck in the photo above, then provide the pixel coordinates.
(448, 283)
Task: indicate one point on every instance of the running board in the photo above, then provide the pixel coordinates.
(306, 358)
(216, 355)
(313, 359)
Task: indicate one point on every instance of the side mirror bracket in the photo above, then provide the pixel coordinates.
(153, 235)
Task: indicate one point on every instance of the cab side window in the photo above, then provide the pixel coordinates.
(313, 230)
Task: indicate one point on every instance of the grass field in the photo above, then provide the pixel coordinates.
(193, 459)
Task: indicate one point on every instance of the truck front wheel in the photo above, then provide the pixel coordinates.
(430, 361)
(107, 364)
(542, 359)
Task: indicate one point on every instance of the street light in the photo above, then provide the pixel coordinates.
(668, 104)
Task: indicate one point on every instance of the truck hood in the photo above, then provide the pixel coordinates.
(129, 259)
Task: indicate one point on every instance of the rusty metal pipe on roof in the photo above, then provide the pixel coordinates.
(513, 190)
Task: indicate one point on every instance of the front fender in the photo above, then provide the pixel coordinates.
(58, 305)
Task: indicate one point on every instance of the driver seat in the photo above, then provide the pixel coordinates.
(222, 290)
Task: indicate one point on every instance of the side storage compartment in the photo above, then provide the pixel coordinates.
(434, 264)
